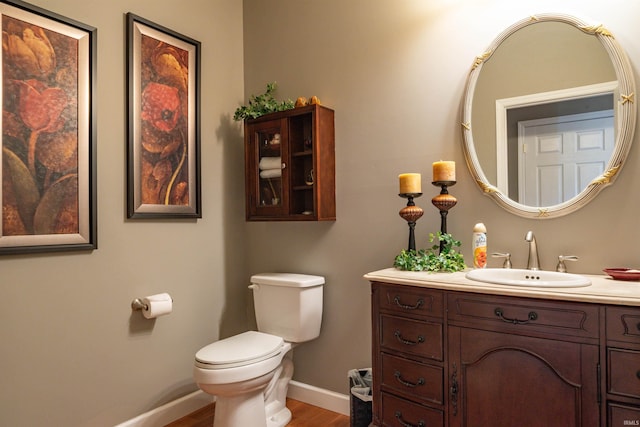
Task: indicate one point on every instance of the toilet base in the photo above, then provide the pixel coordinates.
(278, 415)
(238, 404)
(240, 411)
(279, 419)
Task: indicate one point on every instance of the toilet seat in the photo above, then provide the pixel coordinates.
(240, 350)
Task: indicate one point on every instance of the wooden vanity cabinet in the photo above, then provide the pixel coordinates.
(290, 165)
(448, 358)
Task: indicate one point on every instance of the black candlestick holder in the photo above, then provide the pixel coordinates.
(411, 213)
(444, 201)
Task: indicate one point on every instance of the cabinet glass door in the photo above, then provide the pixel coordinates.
(270, 169)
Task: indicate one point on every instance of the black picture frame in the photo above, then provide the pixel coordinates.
(49, 132)
(163, 156)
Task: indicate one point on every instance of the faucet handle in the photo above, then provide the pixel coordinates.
(561, 259)
(506, 256)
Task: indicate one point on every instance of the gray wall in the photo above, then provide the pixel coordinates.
(395, 72)
(72, 352)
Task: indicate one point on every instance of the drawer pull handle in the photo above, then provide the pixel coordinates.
(406, 383)
(638, 326)
(398, 335)
(406, 424)
(531, 317)
(408, 307)
(638, 375)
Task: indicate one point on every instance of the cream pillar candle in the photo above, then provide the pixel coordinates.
(444, 171)
(410, 183)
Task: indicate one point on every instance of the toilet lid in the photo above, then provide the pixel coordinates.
(240, 349)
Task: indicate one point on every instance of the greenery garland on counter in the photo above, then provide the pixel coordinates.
(432, 260)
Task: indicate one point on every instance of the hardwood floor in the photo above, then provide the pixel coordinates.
(303, 415)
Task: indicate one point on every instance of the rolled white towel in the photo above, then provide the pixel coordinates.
(270, 163)
(271, 173)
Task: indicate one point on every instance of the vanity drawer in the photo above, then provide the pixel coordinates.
(524, 315)
(401, 413)
(418, 380)
(417, 337)
(624, 372)
(623, 324)
(411, 300)
(623, 415)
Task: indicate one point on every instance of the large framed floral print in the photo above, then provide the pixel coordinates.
(48, 131)
(164, 122)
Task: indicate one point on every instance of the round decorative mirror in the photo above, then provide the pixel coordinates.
(549, 115)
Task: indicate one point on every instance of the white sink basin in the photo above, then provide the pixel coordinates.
(522, 277)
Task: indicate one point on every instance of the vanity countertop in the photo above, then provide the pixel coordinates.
(603, 288)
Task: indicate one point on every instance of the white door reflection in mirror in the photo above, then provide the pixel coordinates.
(511, 111)
(559, 156)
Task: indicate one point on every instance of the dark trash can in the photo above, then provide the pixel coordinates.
(360, 382)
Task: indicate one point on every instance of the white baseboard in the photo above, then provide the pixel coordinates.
(169, 412)
(327, 399)
(185, 405)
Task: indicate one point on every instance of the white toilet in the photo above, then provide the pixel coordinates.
(249, 373)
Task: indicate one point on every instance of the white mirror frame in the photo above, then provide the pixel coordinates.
(626, 120)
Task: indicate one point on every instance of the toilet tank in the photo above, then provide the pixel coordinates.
(288, 305)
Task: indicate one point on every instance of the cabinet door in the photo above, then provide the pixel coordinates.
(267, 172)
(507, 380)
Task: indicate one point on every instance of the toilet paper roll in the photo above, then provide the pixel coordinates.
(157, 305)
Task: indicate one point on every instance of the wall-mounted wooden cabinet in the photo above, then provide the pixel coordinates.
(290, 165)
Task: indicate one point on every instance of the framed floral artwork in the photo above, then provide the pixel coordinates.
(48, 131)
(164, 122)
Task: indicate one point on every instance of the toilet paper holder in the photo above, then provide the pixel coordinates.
(138, 304)
(154, 305)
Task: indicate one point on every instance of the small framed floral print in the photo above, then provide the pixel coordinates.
(164, 122)
(48, 131)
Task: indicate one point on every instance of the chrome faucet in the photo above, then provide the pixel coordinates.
(533, 262)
